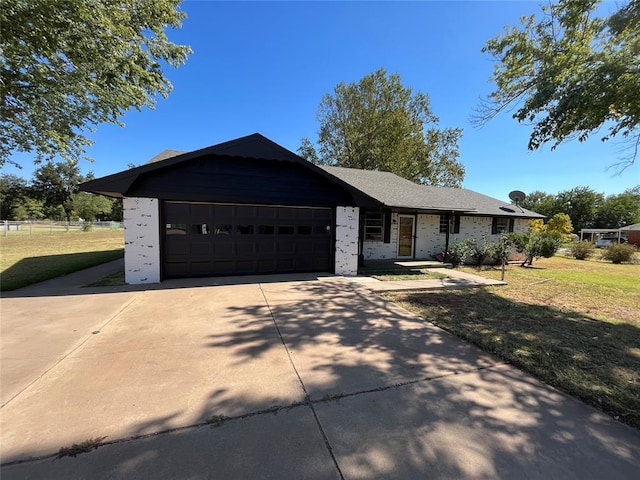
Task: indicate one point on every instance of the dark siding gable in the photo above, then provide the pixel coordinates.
(225, 179)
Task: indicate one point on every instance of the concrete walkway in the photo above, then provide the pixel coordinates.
(456, 279)
(282, 377)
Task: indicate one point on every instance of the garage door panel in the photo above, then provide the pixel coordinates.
(286, 265)
(212, 239)
(265, 247)
(177, 245)
(200, 268)
(246, 249)
(223, 267)
(305, 247)
(199, 249)
(267, 265)
(223, 249)
(286, 247)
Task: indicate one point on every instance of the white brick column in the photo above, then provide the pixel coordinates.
(347, 220)
(141, 240)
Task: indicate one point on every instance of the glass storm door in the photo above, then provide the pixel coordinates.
(405, 235)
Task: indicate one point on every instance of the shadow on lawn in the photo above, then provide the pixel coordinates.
(595, 360)
(396, 397)
(38, 269)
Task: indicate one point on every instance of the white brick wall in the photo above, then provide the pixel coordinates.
(346, 257)
(141, 239)
(430, 241)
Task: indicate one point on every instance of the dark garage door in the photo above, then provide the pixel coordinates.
(205, 239)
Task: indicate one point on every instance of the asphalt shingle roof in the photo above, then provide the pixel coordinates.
(395, 191)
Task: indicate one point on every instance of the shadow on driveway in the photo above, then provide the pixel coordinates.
(369, 390)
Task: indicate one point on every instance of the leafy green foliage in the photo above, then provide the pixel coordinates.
(582, 250)
(619, 253)
(581, 204)
(12, 194)
(570, 73)
(587, 208)
(459, 251)
(92, 207)
(535, 244)
(620, 210)
(379, 124)
(69, 65)
(55, 184)
(540, 202)
(485, 252)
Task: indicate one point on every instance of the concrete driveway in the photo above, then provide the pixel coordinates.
(276, 377)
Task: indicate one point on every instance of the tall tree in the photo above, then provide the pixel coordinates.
(570, 73)
(55, 184)
(12, 193)
(69, 65)
(89, 206)
(379, 124)
(582, 205)
(540, 202)
(620, 210)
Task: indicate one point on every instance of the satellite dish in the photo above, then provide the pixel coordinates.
(517, 196)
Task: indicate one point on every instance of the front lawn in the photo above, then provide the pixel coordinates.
(573, 324)
(27, 259)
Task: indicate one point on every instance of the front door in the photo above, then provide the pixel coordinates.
(406, 229)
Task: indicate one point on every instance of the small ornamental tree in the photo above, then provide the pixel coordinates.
(560, 224)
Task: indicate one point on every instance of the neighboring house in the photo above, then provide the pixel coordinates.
(633, 233)
(250, 206)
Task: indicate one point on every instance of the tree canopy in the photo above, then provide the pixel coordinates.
(587, 208)
(379, 124)
(570, 73)
(67, 66)
(56, 183)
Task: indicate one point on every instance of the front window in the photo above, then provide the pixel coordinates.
(373, 226)
(452, 224)
(501, 225)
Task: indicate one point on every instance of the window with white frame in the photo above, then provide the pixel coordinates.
(373, 226)
(444, 224)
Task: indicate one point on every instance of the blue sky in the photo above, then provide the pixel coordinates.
(264, 66)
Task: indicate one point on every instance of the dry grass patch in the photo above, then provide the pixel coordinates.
(424, 274)
(571, 323)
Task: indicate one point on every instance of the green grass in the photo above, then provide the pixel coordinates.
(573, 324)
(29, 259)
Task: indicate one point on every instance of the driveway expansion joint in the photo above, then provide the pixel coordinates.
(304, 388)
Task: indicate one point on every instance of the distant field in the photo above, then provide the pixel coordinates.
(27, 259)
